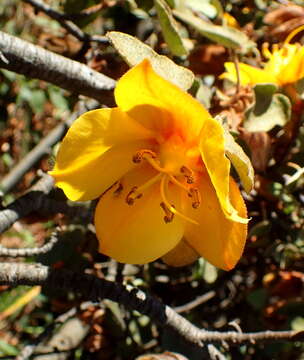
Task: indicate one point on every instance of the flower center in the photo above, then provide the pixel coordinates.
(170, 170)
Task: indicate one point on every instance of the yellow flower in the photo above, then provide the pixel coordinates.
(158, 164)
(285, 65)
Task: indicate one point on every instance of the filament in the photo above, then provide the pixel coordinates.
(163, 188)
(293, 34)
(266, 52)
(137, 192)
(179, 184)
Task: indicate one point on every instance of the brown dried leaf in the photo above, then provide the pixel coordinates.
(260, 147)
(283, 13)
(208, 59)
(284, 20)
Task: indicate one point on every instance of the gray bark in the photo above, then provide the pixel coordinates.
(33, 61)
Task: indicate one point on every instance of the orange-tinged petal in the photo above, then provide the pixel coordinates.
(96, 151)
(183, 254)
(249, 75)
(219, 240)
(157, 103)
(212, 148)
(136, 234)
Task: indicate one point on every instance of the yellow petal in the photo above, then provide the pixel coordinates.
(279, 58)
(93, 177)
(212, 148)
(249, 75)
(294, 70)
(96, 151)
(216, 238)
(136, 234)
(183, 254)
(158, 104)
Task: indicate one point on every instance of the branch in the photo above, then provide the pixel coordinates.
(27, 203)
(70, 26)
(33, 61)
(196, 302)
(35, 199)
(94, 289)
(44, 147)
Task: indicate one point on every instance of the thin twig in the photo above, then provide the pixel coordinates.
(35, 62)
(237, 71)
(92, 10)
(196, 302)
(44, 147)
(25, 252)
(70, 26)
(28, 350)
(94, 289)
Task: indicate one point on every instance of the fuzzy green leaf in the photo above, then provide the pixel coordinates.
(134, 51)
(170, 29)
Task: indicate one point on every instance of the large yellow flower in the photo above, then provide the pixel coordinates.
(285, 65)
(158, 164)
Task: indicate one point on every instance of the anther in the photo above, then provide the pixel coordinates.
(139, 156)
(118, 190)
(168, 214)
(188, 173)
(196, 196)
(133, 195)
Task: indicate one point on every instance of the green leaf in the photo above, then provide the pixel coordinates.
(263, 97)
(240, 160)
(298, 323)
(204, 6)
(7, 349)
(170, 29)
(224, 35)
(146, 5)
(171, 3)
(206, 271)
(261, 228)
(269, 110)
(76, 6)
(257, 299)
(134, 51)
(204, 95)
(58, 99)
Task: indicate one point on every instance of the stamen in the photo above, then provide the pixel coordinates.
(265, 51)
(168, 214)
(150, 157)
(137, 192)
(163, 188)
(188, 173)
(275, 48)
(133, 195)
(176, 182)
(196, 195)
(118, 190)
(140, 155)
(293, 34)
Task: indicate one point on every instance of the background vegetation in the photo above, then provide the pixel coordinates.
(265, 290)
